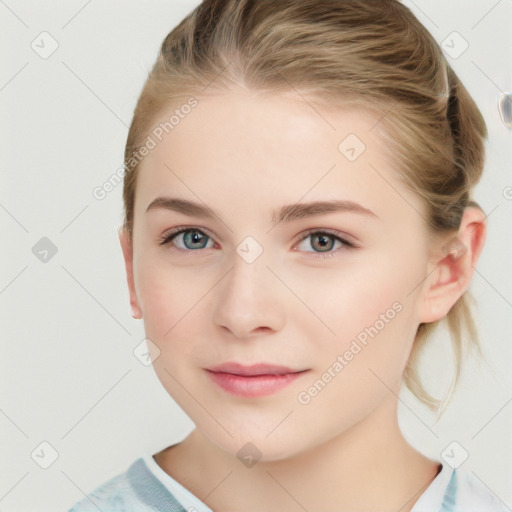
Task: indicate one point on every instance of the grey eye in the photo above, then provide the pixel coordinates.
(505, 108)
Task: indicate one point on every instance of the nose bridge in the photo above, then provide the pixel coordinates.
(247, 300)
(246, 283)
(249, 268)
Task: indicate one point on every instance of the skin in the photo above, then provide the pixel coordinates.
(244, 154)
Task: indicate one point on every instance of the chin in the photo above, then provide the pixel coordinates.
(253, 445)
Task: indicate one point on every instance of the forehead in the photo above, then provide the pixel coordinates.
(246, 148)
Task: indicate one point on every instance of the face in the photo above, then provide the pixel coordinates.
(253, 272)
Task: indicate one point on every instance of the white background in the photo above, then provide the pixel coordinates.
(68, 375)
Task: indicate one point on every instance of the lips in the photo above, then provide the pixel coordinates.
(254, 380)
(252, 370)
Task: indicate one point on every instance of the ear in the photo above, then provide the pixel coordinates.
(454, 265)
(127, 248)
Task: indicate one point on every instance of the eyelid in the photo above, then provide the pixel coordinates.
(347, 239)
(166, 237)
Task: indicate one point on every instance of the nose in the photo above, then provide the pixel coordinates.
(248, 300)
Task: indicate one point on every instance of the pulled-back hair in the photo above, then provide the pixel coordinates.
(370, 54)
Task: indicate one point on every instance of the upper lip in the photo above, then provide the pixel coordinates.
(255, 369)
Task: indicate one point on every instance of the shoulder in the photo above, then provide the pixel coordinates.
(118, 494)
(136, 490)
(114, 495)
(458, 491)
(473, 495)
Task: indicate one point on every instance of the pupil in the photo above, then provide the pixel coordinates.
(324, 241)
(195, 237)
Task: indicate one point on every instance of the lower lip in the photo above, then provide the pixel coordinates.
(258, 385)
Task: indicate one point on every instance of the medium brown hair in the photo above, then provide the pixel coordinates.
(374, 55)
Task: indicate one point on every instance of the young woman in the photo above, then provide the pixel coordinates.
(298, 219)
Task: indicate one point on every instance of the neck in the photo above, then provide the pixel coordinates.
(369, 467)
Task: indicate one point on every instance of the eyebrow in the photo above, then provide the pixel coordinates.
(286, 213)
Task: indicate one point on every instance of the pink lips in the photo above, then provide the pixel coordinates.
(252, 381)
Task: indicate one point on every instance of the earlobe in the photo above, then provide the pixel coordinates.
(454, 266)
(127, 248)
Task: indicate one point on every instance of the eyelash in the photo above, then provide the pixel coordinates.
(168, 237)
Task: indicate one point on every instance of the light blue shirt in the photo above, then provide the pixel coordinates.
(146, 487)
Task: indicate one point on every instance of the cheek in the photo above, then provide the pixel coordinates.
(371, 310)
(169, 298)
(355, 369)
(356, 297)
(174, 322)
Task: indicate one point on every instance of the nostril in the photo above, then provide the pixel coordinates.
(262, 329)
